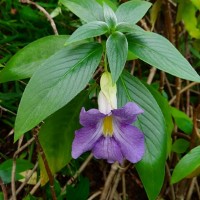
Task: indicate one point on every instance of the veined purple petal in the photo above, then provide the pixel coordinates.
(90, 117)
(84, 140)
(130, 140)
(107, 148)
(128, 113)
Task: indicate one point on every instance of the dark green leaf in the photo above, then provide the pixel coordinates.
(132, 11)
(180, 145)
(58, 133)
(151, 123)
(160, 53)
(91, 29)
(109, 16)
(1, 196)
(188, 164)
(56, 83)
(80, 191)
(6, 169)
(26, 61)
(88, 10)
(183, 122)
(116, 50)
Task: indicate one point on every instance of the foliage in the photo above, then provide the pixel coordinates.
(61, 75)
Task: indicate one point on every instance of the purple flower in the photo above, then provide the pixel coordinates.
(110, 135)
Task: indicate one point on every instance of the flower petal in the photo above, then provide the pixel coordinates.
(131, 141)
(90, 117)
(128, 113)
(84, 140)
(107, 148)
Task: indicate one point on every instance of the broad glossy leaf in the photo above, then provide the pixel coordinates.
(132, 11)
(109, 16)
(56, 83)
(117, 51)
(152, 124)
(91, 29)
(183, 122)
(160, 53)
(26, 61)
(88, 10)
(57, 133)
(6, 169)
(166, 111)
(188, 164)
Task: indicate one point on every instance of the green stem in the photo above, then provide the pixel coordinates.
(105, 63)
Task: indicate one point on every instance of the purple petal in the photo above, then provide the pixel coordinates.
(84, 140)
(90, 117)
(128, 113)
(107, 148)
(131, 142)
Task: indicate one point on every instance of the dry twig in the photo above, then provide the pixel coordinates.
(48, 16)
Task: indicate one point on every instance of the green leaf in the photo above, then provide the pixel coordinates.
(117, 51)
(1, 196)
(126, 27)
(165, 108)
(109, 16)
(183, 122)
(58, 133)
(196, 3)
(91, 29)
(26, 61)
(56, 83)
(187, 12)
(111, 3)
(80, 191)
(132, 11)
(180, 145)
(154, 12)
(88, 10)
(6, 169)
(160, 53)
(188, 164)
(151, 123)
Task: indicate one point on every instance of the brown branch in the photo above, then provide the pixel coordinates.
(48, 16)
(191, 188)
(151, 75)
(162, 81)
(96, 194)
(34, 189)
(27, 178)
(124, 186)
(83, 166)
(3, 187)
(13, 188)
(20, 149)
(183, 90)
(171, 186)
(48, 170)
(109, 180)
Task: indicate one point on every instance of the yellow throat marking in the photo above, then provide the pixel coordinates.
(108, 126)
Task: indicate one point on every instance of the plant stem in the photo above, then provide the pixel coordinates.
(48, 170)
